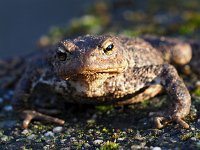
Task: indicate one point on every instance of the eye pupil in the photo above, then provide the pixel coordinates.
(62, 56)
(108, 49)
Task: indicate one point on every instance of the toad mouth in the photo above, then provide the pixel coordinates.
(108, 70)
(94, 73)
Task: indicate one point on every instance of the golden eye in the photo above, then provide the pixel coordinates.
(108, 49)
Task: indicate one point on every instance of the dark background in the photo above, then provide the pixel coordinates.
(22, 22)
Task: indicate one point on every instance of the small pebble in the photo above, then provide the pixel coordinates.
(73, 139)
(173, 140)
(145, 123)
(138, 136)
(57, 129)
(46, 147)
(49, 133)
(86, 145)
(198, 84)
(120, 139)
(94, 116)
(193, 138)
(31, 137)
(97, 142)
(133, 147)
(192, 128)
(62, 141)
(156, 148)
(8, 108)
(4, 138)
(91, 121)
(25, 131)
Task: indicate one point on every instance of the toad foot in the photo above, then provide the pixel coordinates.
(160, 122)
(29, 115)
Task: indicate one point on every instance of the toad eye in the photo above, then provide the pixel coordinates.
(62, 56)
(108, 49)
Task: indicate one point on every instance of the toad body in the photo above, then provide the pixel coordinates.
(106, 70)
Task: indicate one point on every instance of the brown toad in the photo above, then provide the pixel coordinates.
(107, 70)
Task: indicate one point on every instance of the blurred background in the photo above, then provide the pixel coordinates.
(22, 22)
(28, 25)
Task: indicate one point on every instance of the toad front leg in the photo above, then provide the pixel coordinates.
(166, 76)
(178, 92)
(21, 104)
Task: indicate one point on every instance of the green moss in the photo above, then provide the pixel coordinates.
(187, 28)
(197, 92)
(186, 136)
(131, 33)
(1, 133)
(78, 144)
(198, 145)
(104, 108)
(105, 130)
(197, 136)
(192, 23)
(143, 29)
(109, 146)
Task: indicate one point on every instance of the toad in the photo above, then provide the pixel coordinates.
(107, 70)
